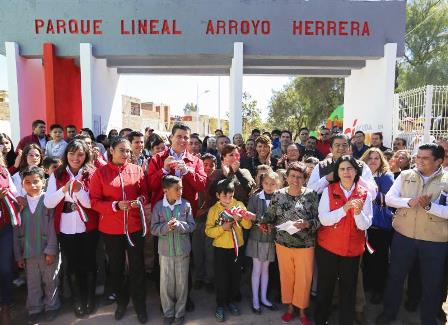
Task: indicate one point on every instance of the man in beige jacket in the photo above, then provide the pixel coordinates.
(421, 232)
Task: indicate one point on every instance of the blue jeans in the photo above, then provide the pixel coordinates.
(6, 260)
(431, 255)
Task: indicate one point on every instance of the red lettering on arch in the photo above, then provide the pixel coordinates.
(342, 25)
(60, 26)
(143, 26)
(175, 30)
(166, 28)
(38, 24)
(308, 26)
(255, 24)
(123, 29)
(50, 27)
(73, 26)
(96, 27)
(245, 27)
(297, 27)
(354, 28)
(85, 26)
(320, 28)
(366, 29)
(153, 27)
(233, 27)
(210, 28)
(220, 27)
(331, 28)
(266, 27)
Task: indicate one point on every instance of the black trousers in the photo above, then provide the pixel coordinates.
(80, 252)
(227, 275)
(414, 284)
(331, 268)
(376, 265)
(117, 249)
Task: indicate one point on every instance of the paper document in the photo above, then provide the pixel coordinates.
(288, 226)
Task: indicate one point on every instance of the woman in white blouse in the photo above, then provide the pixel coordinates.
(345, 213)
(75, 223)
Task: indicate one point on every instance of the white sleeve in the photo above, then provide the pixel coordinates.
(327, 217)
(368, 181)
(364, 219)
(12, 186)
(393, 197)
(83, 197)
(47, 149)
(17, 181)
(316, 183)
(439, 210)
(53, 196)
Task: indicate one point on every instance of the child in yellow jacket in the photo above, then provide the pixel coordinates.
(225, 221)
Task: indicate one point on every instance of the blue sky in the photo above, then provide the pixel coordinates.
(179, 90)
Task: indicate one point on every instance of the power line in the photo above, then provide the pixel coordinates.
(426, 18)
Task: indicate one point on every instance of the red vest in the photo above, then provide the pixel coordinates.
(92, 223)
(343, 238)
(4, 183)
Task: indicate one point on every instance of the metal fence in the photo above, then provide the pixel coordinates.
(421, 115)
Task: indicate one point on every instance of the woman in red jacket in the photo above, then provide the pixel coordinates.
(345, 213)
(75, 223)
(118, 191)
(7, 188)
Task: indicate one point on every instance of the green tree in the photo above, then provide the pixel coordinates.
(251, 115)
(190, 107)
(426, 45)
(305, 102)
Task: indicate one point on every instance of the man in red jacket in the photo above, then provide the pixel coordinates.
(38, 136)
(323, 146)
(176, 160)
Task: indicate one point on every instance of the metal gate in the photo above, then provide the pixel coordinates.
(421, 115)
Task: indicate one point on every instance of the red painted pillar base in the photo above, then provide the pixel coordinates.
(62, 79)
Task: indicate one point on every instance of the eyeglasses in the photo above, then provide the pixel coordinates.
(324, 134)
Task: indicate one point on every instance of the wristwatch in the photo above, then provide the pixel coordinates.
(428, 207)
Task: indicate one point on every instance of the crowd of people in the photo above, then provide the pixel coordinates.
(323, 220)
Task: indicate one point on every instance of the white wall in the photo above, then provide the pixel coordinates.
(26, 91)
(369, 96)
(101, 100)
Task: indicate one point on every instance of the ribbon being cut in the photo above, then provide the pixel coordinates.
(230, 215)
(82, 214)
(13, 208)
(142, 219)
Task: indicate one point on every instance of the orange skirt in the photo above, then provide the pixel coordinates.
(296, 274)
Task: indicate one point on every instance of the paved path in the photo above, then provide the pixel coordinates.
(203, 314)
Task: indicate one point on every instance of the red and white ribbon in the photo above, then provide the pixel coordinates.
(13, 208)
(82, 214)
(368, 246)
